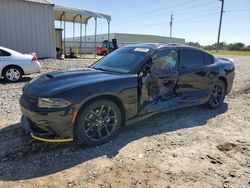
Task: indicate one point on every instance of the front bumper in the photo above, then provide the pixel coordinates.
(46, 125)
(40, 134)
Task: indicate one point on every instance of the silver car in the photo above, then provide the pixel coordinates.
(13, 65)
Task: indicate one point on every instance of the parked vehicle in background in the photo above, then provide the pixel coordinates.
(91, 105)
(13, 65)
(104, 50)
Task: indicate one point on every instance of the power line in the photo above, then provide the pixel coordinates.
(132, 20)
(141, 16)
(197, 17)
(178, 21)
(164, 23)
(157, 10)
(237, 10)
(189, 19)
(200, 5)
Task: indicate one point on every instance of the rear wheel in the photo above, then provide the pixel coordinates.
(217, 94)
(12, 74)
(98, 122)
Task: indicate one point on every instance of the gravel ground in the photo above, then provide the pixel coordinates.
(193, 147)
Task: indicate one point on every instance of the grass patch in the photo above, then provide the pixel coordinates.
(227, 52)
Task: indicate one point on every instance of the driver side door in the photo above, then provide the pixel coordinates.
(158, 81)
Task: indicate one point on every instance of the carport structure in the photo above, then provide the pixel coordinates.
(74, 15)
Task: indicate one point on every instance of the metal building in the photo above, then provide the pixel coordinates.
(122, 40)
(28, 26)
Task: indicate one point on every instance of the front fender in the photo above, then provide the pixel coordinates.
(124, 90)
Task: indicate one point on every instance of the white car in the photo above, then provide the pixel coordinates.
(13, 65)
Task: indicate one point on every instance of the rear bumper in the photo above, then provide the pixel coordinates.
(33, 67)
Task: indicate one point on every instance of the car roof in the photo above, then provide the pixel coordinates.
(12, 52)
(155, 46)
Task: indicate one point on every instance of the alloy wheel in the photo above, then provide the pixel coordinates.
(217, 94)
(100, 123)
(13, 74)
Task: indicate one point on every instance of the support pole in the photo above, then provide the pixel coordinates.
(85, 39)
(221, 13)
(108, 35)
(81, 38)
(64, 28)
(95, 35)
(171, 23)
(61, 27)
(61, 33)
(74, 35)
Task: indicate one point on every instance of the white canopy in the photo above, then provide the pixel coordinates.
(75, 15)
(69, 14)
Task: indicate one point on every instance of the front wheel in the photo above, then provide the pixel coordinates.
(98, 122)
(217, 94)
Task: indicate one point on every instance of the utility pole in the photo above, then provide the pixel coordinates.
(171, 23)
(221, 13)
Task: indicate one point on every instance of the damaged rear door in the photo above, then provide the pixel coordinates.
(158, 81)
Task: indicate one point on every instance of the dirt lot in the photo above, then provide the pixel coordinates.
(194, 147)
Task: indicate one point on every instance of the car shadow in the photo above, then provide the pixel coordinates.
(24, 158)
(23, 79)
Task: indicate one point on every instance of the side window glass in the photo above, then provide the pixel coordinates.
(208, 59)
(4, 53)
(190, 58)
(164, 61)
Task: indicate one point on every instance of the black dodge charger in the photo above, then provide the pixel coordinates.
(92, 104)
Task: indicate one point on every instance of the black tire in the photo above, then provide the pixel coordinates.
(98, 122)
(12, 74)
(217, 94)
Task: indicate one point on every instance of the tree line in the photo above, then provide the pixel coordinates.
(238, 46)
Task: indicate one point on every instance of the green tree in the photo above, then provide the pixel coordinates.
(195, 44)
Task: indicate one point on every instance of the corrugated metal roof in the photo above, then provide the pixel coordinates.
(40, 1)
(73, 14)
(70, 14)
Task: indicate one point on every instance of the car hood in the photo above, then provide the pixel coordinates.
(53, 83)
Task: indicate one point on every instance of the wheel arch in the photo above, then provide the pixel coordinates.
(224, 80)
(110, 97)
(11, 65)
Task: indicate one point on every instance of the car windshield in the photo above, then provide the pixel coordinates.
(123, 60)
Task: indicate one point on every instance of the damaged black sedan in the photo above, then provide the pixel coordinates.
(92, 104)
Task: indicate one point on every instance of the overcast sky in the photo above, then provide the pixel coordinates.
(194, 20)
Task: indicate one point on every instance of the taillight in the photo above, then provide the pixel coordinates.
(34, 59)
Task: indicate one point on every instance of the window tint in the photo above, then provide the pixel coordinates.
(164, 61)
(191, 58)
(123, 60)
(4, 53)
(208, 59)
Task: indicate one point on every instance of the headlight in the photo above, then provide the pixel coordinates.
(52, 103)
